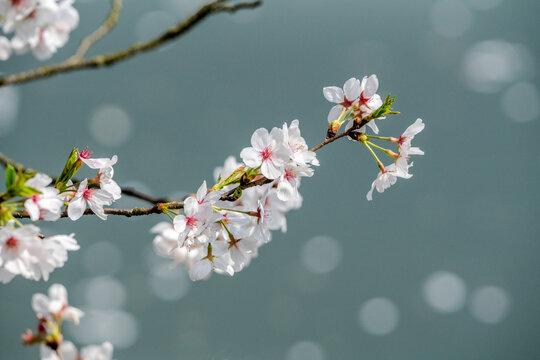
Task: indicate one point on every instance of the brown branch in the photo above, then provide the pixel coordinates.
(104, 29)
(215, 7)
(156, 209)
(4, 160)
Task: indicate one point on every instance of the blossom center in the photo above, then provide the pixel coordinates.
(87, 193)
(85, 154)
(289, 174)
(266, 153)
(191, 221)
(346, 103)
(12, 243)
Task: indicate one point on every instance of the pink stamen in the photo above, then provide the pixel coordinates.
(191, 221)
(87, 193)
(35, 198)
(289, 175)
(12, 243)
(266, 153)
(85, 154)
(346, 103)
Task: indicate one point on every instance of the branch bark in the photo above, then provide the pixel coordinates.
(156, 209)
(77, 63)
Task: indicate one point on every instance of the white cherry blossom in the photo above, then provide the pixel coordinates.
(399, 169)
(56, 305)
(289, 181)
(404, 141)
(211, 259)
(47, 205)
(96, 199)
(299, 150)
(344, 98)
(268, 151)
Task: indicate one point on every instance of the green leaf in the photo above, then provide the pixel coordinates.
(11, 176)
(385, 109)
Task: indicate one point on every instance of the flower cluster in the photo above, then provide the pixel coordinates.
(51, 311)
(23, 249)
(40, 26)
(222, 228)
(360, 105)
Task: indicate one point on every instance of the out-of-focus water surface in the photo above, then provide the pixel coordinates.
(442, 266)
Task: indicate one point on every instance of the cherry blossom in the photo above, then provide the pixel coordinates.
(385, 179)
(210, 260)
(300, 153)
(45, 29)
(47, 205)
(268, 151)
(55, 306)
(344, 98)
(289, 181)
(96, 199)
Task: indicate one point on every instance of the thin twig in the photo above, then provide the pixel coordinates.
(156, 209)
(215, 7)
(104, 29)
(4, 160)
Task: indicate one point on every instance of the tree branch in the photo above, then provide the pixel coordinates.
(215, 7)
(104, 29)
(156, 209)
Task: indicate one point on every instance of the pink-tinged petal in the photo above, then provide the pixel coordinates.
(251, 157)
(352, 89)
(260, 139)
(371, 86)
(333, 94)
(334, 113)
(179, 223)
(200, 270)
(32, 209)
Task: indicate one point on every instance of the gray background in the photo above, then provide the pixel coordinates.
(470, 210)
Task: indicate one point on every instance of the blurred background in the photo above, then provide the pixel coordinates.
(442, 266)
